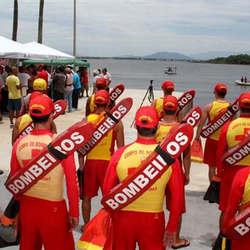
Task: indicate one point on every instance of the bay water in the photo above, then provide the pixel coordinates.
(199, 76)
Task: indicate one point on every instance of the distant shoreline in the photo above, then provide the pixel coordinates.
(134, 58)
(219, 60)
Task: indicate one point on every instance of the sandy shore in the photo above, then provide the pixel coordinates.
(200, 221)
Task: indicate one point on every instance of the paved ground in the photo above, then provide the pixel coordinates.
(200, 222)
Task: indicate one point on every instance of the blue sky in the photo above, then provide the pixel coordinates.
(139, 27)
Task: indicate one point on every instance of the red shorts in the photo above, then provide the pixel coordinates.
(210, 152)
(146, 229)
(44, 223)
(170, 196)
(94, 174)
(242, 244)
(226, 183)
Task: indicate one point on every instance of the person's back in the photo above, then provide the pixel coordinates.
(131, 223)
(101, 83)
(44, 199)
(59, 82)
(12, 82)
(167, 88)
(239, 201)
(14, 95)
(210, 112)
(97, 159)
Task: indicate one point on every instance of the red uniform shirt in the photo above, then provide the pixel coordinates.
(239, 197)
(231, 134)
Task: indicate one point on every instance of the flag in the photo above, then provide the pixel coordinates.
(97, 233)
(196, 151)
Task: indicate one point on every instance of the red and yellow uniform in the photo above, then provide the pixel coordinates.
(239, 199)
(42, 208)
(162, 132)
(25, 120)
(101, 83)
(217, 107)
(168, 88)
(231, 135)
(92, 103)
(158, 104)
(164, 129)
(44, 220)
(97, 160)
(142, 220)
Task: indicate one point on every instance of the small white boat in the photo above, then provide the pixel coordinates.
(239, 82)
(171, 70)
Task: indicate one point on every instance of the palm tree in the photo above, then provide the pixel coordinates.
(40, 22)
(15, 20)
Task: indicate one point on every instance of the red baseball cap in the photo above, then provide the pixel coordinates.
(146, 117)
(170, 103)
(43, 74)
(167, 85)
(34, 94)
(220, 87)
(101, 82)
(101, 97)
(244, 100)
(41, 105)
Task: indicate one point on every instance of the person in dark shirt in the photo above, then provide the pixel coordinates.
(58, 84)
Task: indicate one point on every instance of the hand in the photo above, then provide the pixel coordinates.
(187, 179)
(73, 222)
(169, 239)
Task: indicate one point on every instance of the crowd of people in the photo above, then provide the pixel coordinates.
(43, 219)
(61, 83)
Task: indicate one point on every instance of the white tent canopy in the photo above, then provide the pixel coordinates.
(32, 50)
(37, 50)
(11, 49)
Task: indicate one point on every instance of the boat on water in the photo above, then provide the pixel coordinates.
(171, 70)
(242, 83)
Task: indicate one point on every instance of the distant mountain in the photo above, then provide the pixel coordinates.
(168, 56)
(214, 54)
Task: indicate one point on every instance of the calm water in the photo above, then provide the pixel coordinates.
(200, 76)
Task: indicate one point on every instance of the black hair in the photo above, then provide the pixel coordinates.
(44, 67)
(168, 91)
(221, 94)
(147, 132)
(170, 112)
(40, 119)
(98, 105)
(61, 69)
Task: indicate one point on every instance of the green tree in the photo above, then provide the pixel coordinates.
(15, 20)
(40, 22)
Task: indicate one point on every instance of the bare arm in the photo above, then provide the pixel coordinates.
(15, 131)
(119, 130)
(154, 103)
(187, 163)
(202, 121)
(53, 128)
(87, 107)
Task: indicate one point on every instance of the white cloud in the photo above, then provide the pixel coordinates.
(116, 27)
